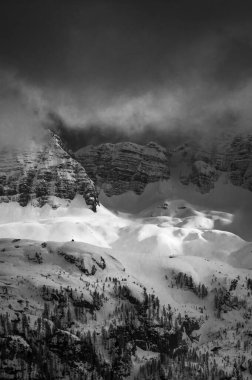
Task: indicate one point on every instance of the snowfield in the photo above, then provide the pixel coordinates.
(76, 253)
(165, 229)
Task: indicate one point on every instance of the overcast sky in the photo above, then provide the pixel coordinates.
(119, 70)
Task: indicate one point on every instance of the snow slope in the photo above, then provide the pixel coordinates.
(170, 229)
(145, 243)
(73, 248)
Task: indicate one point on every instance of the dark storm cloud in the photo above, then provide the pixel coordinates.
(235, 66)
(140, 69)
(113, 43)
(21, 113)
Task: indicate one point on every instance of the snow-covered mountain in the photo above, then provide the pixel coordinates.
(159, 291)
(42, 173)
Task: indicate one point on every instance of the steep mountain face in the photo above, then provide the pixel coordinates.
(118, 168)
(202, 175)
(204, 166)
(239, 162)
(125, 166)
(41, 174)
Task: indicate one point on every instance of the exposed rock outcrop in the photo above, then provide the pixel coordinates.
(42, 174)
(239, 162)
(203, 167)
(125, 166)
(202, 175)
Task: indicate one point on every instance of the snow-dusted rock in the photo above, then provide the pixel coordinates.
(41, 174)
(203, 165)
(121, 167)
(240, 162)
(203, 176)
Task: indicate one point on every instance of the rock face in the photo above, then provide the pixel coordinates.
(42, 174)
(205, 166)
(125, 166)
(202, 175)
(45, 174)
(239, 162)
(121, 167)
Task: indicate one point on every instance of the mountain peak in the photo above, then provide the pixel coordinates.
(44, 174)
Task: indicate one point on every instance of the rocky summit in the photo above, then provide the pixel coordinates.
(43, 175)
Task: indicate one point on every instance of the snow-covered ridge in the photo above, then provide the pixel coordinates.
(161, 231)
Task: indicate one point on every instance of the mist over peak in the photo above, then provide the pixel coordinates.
(129, 71)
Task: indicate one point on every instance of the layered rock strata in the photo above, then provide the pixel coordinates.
(41, 174)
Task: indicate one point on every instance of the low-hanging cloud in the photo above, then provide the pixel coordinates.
(111, 72)
(22, 109)
(186, 111)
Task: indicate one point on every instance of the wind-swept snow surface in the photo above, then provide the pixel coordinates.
(166, 229)
(74, 221)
